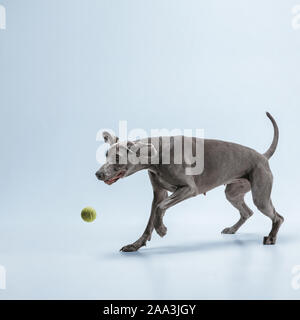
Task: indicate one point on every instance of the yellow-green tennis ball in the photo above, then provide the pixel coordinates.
(88, 214)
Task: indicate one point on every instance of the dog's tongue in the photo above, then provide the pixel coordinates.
(114, 179)
(111, 181)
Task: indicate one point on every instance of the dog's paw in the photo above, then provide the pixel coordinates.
(228, 231)
(134, 246)
(129, 248)
(269, 240)
(161, 230)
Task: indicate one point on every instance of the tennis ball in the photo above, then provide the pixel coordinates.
(88, 214)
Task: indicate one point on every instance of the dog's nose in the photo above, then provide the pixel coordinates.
(100, 175)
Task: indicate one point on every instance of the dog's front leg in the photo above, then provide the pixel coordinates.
(181, 193)
(159, 195)
(145, 236)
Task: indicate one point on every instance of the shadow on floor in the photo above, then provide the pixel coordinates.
(227, 242)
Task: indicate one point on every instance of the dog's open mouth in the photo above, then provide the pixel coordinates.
(115, 178)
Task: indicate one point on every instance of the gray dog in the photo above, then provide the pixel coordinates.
(240, 168)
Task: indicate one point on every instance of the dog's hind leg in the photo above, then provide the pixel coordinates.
(235, 193)
(261, 187)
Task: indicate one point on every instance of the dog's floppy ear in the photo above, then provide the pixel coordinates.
(109, 138)
(142, 151)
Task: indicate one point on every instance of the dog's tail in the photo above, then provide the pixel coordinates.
(268, 154)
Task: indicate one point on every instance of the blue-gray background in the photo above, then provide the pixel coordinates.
(69, 68)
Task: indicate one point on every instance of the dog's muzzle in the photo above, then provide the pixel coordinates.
(115, 178)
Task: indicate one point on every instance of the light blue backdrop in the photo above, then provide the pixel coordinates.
(69, 68)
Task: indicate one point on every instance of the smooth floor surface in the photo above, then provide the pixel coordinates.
(76, 260)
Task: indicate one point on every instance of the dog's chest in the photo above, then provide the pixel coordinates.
(165, 182)
(165, 185)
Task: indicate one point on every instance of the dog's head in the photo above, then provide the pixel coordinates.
(124, 158)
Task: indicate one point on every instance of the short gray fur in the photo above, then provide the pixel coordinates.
(238, 167)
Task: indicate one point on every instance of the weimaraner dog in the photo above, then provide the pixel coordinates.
(238, 167)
